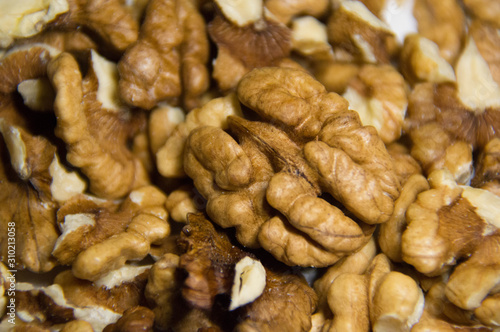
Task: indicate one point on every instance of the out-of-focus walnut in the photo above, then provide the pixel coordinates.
(285, 10)
(135, 319)
(246, 38)
(485, 10)
(486, 175)
(169, 59)
(310, 39)
(335, 75)
(382, 299)
(183, 201)
(214, 113)
(111, 20)
(422, 62)
(287, 301)
(274, 166)
(487, 41)
(358, 31)
(95, 126)
(98, 238)
(378, 94)
(27, 18)
(34, 182)
(447, 223)
(448, 121)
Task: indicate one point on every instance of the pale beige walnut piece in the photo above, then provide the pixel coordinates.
(169, 156)
(447, 122)
(95, 125)
(487, 40)
(486, 170)
(168, 61)
(447, 223)
(183, 201)
(27, 18)
(378, 94)
(310, 39)
(277, 164)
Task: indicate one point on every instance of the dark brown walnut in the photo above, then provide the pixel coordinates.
(135, 319)
(209, 259)
(168, 62)
(268, 178)
(287, 300)
(96, 126)
(111, 20)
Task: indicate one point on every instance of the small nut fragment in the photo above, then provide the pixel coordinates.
(249, 282)
(309, 38)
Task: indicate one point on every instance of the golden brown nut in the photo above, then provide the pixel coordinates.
(285, 10)
(335, 75)
(169, 59)
(272, 165)
(183, 201)
(137, 318)
(169, 156)
(446, 223)
(378, 94)
(485, 10)
(109, 19)
(95, 125)
(100, 237)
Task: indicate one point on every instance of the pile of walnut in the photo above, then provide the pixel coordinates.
(264, 165)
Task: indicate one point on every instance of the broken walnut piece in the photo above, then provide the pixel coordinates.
(487, 41)
(168, 61)
(95, 126)
(355, 29)
(183, 201)
(456, 219)
(137, 318)
(378, 94)
(96, 240)
(285, 10)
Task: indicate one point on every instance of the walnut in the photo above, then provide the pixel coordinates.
(355, 29)
(275, 167)
(486, 171)
(35, 183)
(378, 94)
(137, 318)
(210, 262)
(335, 75)
(25, 19)
(183, 201)
(446, 223)
(98, 237)
(449, 121)
(488, 44)
(285, 10)
(214, 113)
(173, 41)
(95, 125)
(246, 39)
(382, 299)
(485, 10)
(310, 39)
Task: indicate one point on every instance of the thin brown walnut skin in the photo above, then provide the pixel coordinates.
(168, 59)
(255, 45)
(95, 137)
(28, 203)
(110, 19)
(209, 260)
(22, 65)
